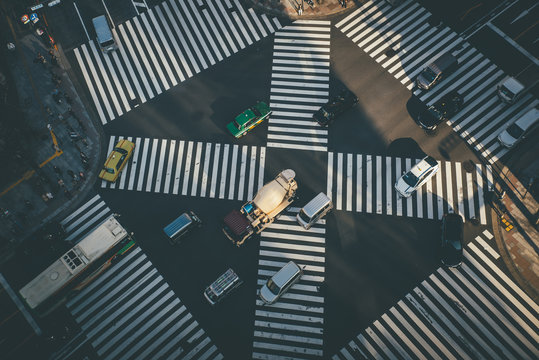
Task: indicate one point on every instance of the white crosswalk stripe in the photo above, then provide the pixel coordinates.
(376, 27)
(131, 310)
(293, 326)
(299, 85)
(158, 51)
(495, 319)
(192, 168)
(365, 183)
(86, 218)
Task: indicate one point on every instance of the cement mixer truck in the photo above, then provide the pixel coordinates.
(259, 213)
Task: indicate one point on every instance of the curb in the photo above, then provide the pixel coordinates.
(508, 260)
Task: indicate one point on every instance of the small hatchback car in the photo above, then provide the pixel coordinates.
(417, 176)
(280, 282)
(117, 160)
(452, 234)
(335, 106)
(518, 130)
(249, 119)
(442, 110)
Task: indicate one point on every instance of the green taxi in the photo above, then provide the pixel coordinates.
(247, 120)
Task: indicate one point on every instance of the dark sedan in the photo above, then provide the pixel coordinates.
(336, 106)
(452, 234)
(442, 110)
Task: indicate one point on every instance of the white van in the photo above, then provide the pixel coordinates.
(279, 283)
(222, 287)
(104, 35)
(315, 209)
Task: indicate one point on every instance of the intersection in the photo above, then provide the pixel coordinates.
(373, 285)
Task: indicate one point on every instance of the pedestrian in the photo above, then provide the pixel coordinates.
(61, 182)
(40, 59)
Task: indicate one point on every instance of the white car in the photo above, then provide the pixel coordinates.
(279, 283)
(417, 176)
(515, 132)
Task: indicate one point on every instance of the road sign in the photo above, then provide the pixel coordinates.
(35, 7)
(25, 19)
(53, 2)
(34, 18)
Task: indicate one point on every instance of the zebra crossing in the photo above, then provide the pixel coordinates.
(85, 219)
(471, 312)
(191, 168)
(130, 310)
(365, 183)
(164, 46)
(292, 327)
(376, 27)
(299, 85)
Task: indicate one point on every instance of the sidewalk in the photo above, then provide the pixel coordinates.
(290, 8)
(519, 246)
(40, 97)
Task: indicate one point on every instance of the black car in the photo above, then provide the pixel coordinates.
(450, 104)
(452, 230)
(336, 106)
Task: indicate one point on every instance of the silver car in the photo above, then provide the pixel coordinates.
(417, 176)
(517, 131)
(279, 283)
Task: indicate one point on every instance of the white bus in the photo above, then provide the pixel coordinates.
(86, 255)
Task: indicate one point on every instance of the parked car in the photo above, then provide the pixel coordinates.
(433, 73)
(335, 106)
(442, 110)
(452, 235)
(517, 131)
(249, 119)
(117, 160)
(418, 175)
(182, 225)
(279, 283)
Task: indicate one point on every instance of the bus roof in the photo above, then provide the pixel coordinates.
(73, 262)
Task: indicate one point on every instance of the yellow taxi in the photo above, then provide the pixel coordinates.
(117, 160)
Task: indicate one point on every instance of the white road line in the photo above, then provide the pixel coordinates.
(241, 183)
(389, 188)
(135, 58)
(430, 209)
(152, 165)
(252, 166)
(261, 167)
(470, 193)
(329, 190)
(440, 191)
(349, 174)
(134, 162)
(187, 170)
(102, 93)
(480, 196)
(409, 205)
(205, 168)
(215, 170)
(177, 173)
(179, 52)
(368, 180)
(90, 87)
(196, 170)
(223, 172)
(378, 184)
(398, 173)
(338, 203)
(233, 172)
(160, 165)
(170, 162)
(359, 184)
(419, 201)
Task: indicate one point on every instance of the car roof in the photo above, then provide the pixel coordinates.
(528, 119)
(283, 275)
(244, 117)
(422, 166)
(316, 203)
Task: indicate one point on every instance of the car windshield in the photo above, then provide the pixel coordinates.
(325, 113)
(109, 170)
(410, 179)
(505, 91)
(120, 162)
(304, 217)
(236, 124)
(121, 151)
(256, 112)
(515, 131)
(272, 287)
(434, 111)
(429, 75)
